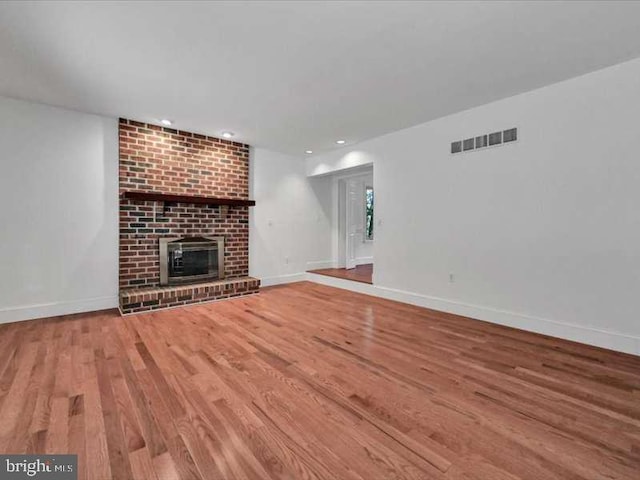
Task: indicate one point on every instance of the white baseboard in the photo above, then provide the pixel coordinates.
(364, 260)
(316, 265)
(577, 333)
(335, 264)
(54, 309)
(281, 279)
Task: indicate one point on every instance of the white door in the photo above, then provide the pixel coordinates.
(352, 222)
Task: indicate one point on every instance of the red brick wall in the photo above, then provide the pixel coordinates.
(158, 159)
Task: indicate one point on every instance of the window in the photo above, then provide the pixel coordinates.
(368, 219)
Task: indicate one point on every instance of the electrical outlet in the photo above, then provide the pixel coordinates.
(451, 278)
(286, 260)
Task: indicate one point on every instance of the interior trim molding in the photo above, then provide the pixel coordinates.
(282, 279)
(364, 260)
(578, 333)
(55, 309)
(316, 265)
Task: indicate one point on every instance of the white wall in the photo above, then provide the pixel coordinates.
(290, 230)
(543, 234)
(59, 215)
(338, 161)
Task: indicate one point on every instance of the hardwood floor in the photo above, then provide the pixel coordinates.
(362, 273)
(309, 382)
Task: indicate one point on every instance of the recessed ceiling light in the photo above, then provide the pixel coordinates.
(166, 122)
(227, 134)
(341, 142)
(308, 151)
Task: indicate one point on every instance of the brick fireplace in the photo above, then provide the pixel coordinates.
(164, 161)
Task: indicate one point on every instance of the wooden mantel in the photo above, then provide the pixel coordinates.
(168, 198)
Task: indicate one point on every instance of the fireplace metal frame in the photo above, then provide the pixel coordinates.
(164, 256)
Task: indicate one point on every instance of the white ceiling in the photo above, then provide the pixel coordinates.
(290, 76)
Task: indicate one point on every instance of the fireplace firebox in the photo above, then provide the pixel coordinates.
(191, 259)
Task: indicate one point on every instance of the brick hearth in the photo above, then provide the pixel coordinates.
(144, 299)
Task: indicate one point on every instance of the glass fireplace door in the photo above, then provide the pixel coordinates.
(192, 262)
(185, 260)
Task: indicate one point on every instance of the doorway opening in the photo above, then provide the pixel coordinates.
(354, 227)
